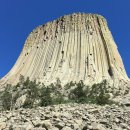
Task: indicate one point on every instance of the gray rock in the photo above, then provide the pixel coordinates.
(126, 100)
(36, 123)
(60, 125)
(97, 126)
(114, 117)
(124, 126)
(75, 126)
(2, 125)
(67, 128)
(47, 124)
(20, 101)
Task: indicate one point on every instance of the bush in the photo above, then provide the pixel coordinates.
(41, 95)
(78, 94)
(6, 99)
(28, 103)
(96, 94)
(45, 97)
(103, 99)
(32, 93)
(59, 99)
(69, 85)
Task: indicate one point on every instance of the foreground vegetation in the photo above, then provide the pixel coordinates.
(37, 94)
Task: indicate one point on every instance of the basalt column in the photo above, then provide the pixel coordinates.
(72, 48)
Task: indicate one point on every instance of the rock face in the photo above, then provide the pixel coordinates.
(67, 117)
(72, 48)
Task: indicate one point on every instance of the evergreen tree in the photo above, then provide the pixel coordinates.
(6, 99)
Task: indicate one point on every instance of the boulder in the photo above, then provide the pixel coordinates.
(67, 128)
(20, 101)
(2, 125)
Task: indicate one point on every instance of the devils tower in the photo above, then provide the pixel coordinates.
(72, 48)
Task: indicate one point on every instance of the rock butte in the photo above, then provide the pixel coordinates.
(72, 48)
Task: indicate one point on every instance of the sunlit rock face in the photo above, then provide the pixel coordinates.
(72, 48)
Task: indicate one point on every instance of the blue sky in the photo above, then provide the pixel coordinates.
(19, 17)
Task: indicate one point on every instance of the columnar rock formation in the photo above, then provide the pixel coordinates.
(72, 48)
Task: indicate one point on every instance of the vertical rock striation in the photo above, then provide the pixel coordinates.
(72, 48)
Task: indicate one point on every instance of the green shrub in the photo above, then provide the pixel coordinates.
(96, 94)
(102, 99)
(78, 92)
(28, 103)
(45, 97)
(32, 93)
(69, 85)
(41, 95)
(6, 99)
(59, 99)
